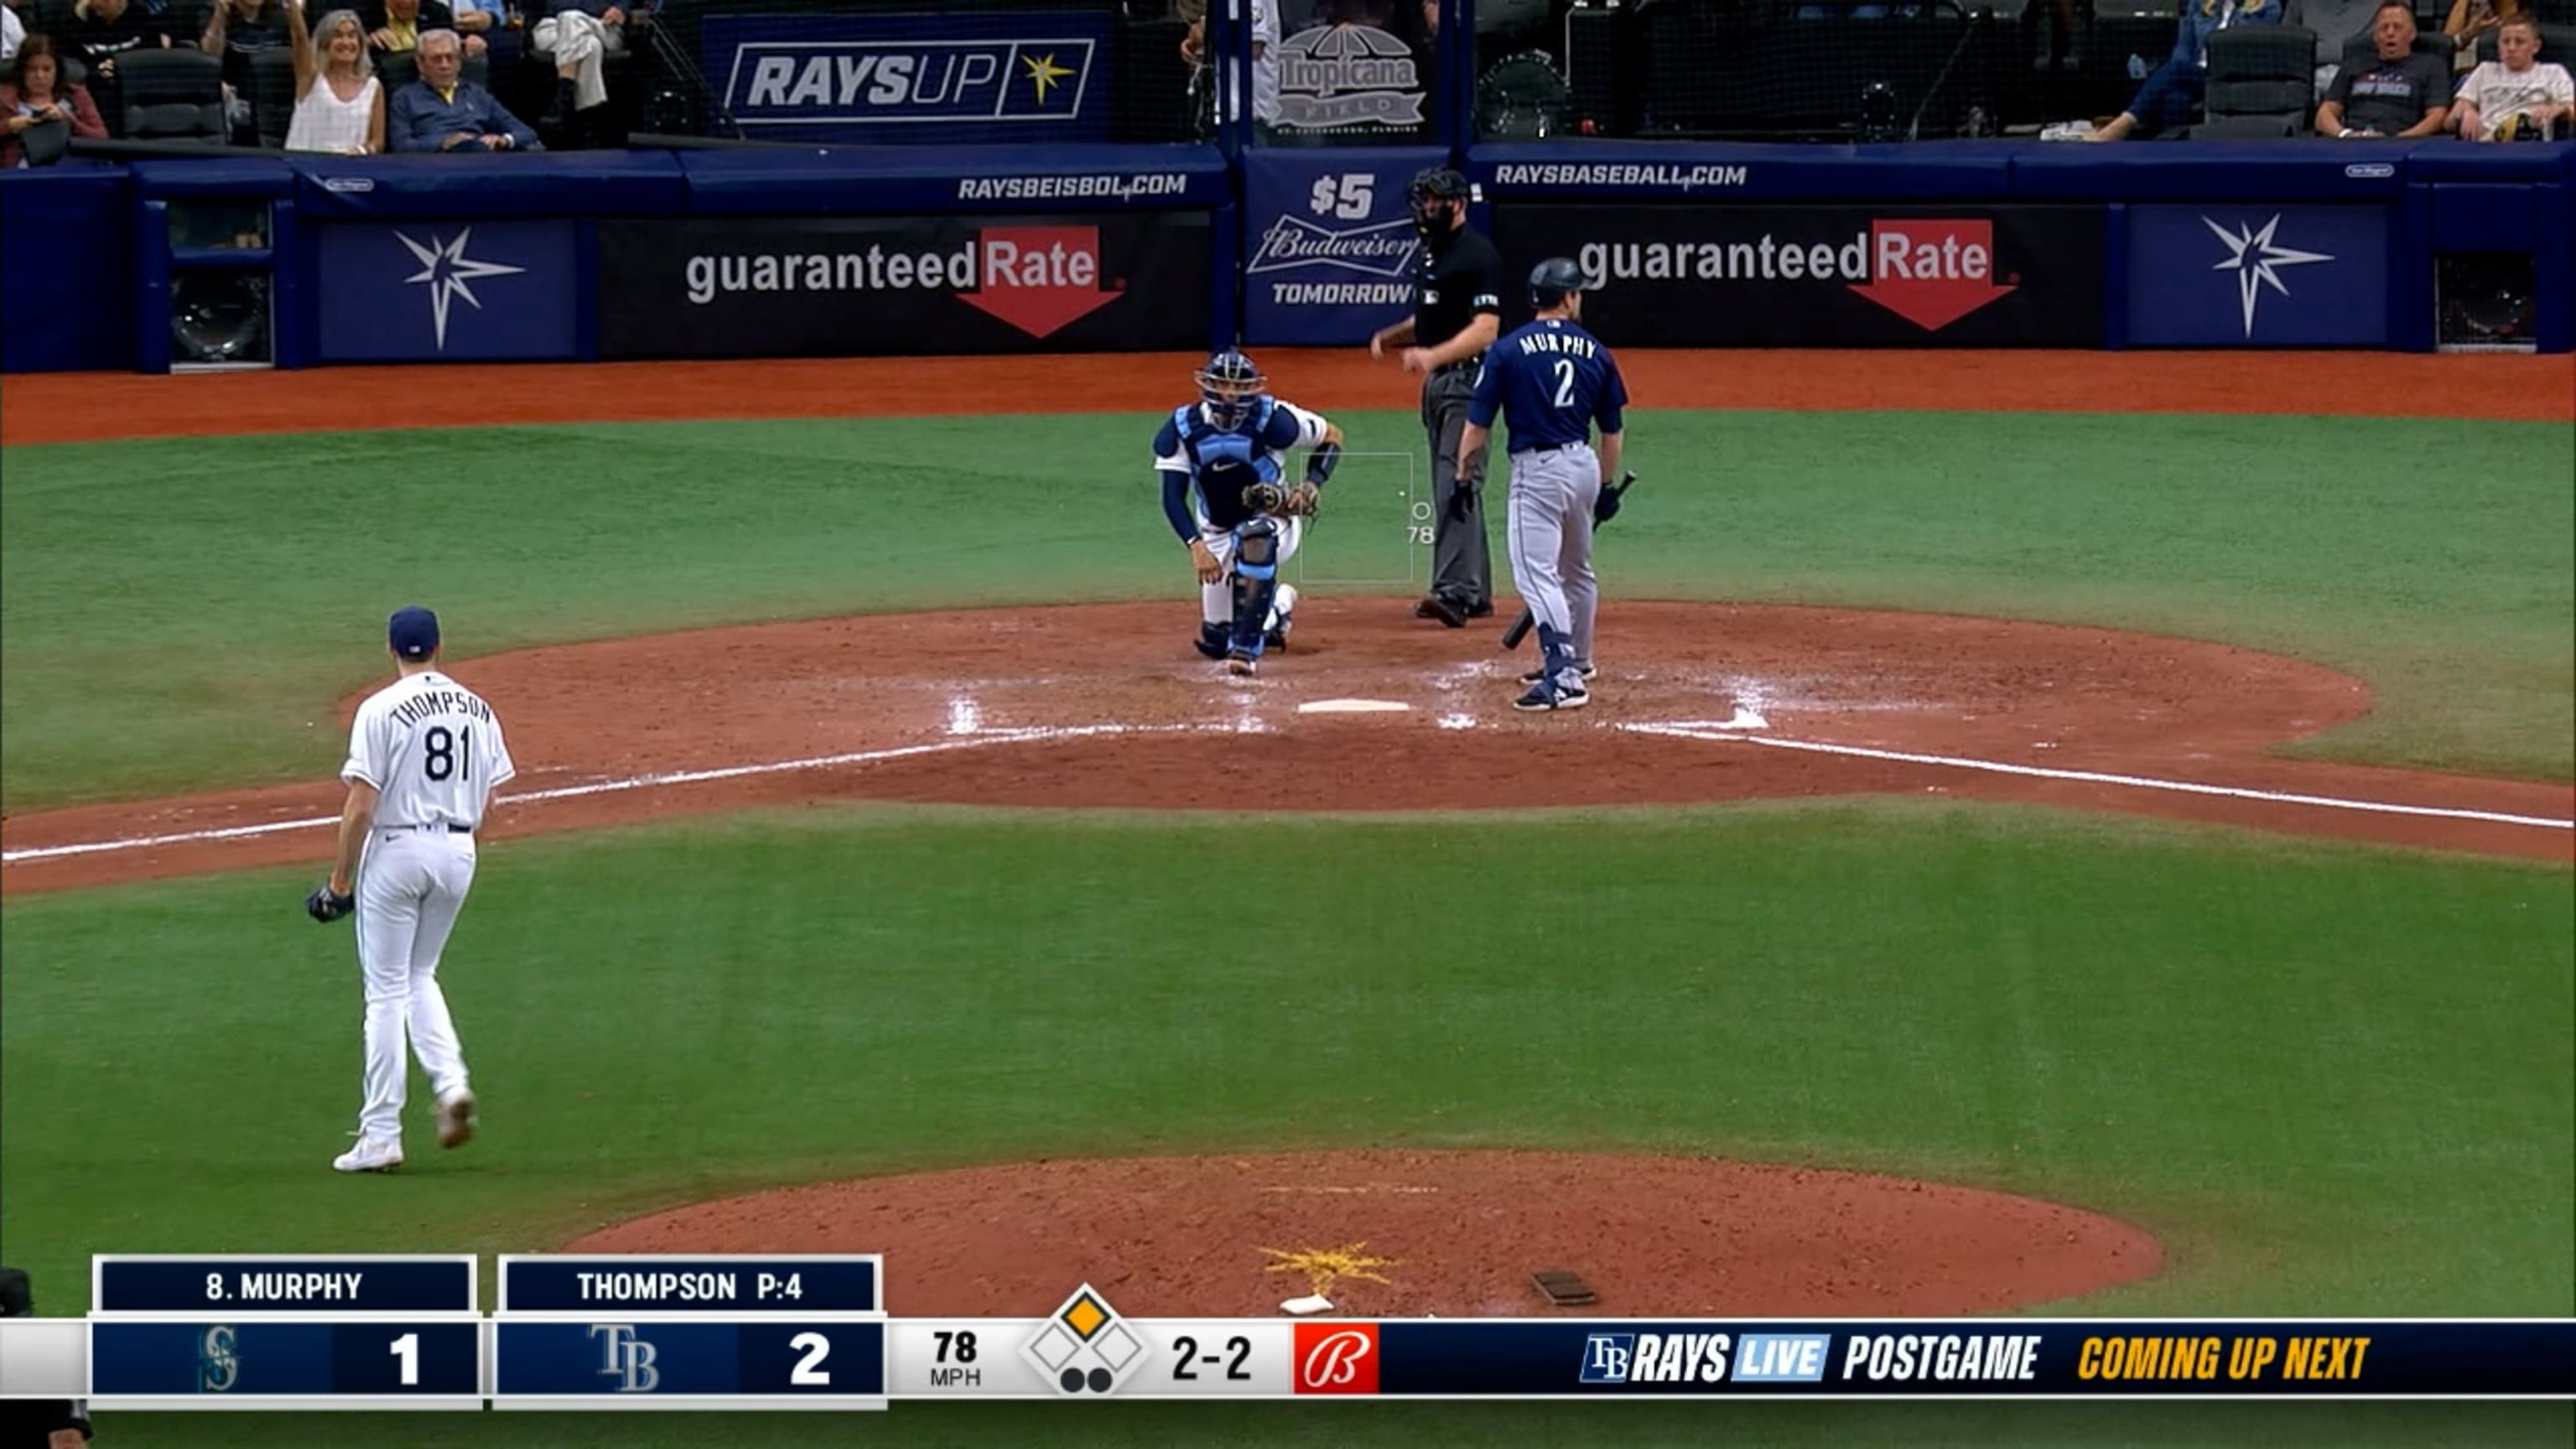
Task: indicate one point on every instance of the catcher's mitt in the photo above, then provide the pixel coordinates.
(1265, 498)
(1302, 501)
(327, 905)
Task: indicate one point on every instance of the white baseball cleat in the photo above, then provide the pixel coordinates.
(372, 1154)
(456, 1120)
(1283, 612)
(1241, 664)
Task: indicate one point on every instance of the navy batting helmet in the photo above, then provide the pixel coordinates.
(1550, 280)
(1228, 383)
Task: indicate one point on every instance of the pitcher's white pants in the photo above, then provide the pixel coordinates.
(579, 41)
(411, 884)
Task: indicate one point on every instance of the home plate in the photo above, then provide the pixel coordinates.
(1352, 706)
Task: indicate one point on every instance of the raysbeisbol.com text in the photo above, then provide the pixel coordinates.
(1001, 260)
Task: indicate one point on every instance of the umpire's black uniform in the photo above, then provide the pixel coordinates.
(33, 1423)
(1457, 289)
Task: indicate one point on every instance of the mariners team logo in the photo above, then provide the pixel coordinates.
(218, 1360)
(1348, 77)
(1083, 1346)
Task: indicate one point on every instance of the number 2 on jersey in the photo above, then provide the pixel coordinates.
(1565, 382)
(447, 754)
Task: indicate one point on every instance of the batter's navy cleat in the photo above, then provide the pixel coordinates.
(1544, 696)
(372, 1154)
(1242, 664)
(1587, 669)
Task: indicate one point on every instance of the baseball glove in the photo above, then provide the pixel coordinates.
(327, 905)
(1302, 501)
(1265, 497)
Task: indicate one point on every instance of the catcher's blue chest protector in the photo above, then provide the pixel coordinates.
(1224, 461)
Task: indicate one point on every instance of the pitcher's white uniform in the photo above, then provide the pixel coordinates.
(433, 750)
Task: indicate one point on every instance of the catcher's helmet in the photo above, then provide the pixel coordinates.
(1228, 382)
(1550, 280)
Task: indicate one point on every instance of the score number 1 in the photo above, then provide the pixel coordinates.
(1235, 1372)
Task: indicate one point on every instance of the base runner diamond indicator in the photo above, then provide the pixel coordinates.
(1083, 1346)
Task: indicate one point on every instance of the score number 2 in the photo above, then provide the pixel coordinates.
(1239, 1346)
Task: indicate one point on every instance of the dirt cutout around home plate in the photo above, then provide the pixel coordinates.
(1451, 1233)
(1108, 706)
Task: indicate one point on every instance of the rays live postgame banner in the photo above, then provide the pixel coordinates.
(950, 79)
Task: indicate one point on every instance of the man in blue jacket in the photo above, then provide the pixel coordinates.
(442, 111)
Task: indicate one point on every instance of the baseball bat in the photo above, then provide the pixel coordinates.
(1521, 626)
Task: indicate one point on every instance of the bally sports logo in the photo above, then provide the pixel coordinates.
(1929, 272)
(1039, 279)
(1337, 1358)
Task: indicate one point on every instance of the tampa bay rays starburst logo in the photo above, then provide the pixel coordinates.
(1044, 73)
(2255, 260)
(1324, 1267)
(449, 273)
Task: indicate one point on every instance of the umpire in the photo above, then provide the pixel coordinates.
(36, 1423)
(1457, 312)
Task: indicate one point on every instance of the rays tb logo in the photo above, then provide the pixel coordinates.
(626, 1358)
(1606, 1357)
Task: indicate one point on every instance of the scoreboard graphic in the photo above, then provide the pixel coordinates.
(811, 1332)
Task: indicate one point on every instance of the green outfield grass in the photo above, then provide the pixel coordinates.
(177, 612)
(2333, 1080)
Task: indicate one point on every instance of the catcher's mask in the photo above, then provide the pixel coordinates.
(1436, 195)
(1228, 384)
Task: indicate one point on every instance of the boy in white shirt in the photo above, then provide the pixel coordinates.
(2515, 95)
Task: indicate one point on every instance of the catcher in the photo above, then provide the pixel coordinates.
(1245, 521)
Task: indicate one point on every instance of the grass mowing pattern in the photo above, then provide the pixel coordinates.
(2336, 1081)
(178, 610)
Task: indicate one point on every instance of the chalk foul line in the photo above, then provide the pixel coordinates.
(1717, 732)
(2096, 777)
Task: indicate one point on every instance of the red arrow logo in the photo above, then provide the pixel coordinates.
(1932, 273)
(1040, 279)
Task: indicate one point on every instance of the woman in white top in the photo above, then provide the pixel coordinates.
(339, 104)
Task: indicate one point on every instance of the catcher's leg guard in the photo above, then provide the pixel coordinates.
(1212, 639)
(1256, 580)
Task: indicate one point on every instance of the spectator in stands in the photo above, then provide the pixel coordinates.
(582, 34)
(99, 31)
(1265, 52)
(486, 30)
(394, 26)
(2336, 24)
(2472, 19)
(339, 103)
(237, 30)
(2515, 95)
(11, 33)
(33, 95)
(2399, 92)
(2173, 91)
(442, 111)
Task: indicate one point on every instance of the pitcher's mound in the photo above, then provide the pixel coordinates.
(1402, 1234)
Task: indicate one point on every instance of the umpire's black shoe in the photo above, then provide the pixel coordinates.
(1481, 611)
(1435, 607)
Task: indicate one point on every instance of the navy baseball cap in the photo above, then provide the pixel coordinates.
(413, 632)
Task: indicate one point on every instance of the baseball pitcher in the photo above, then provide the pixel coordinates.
(1552, 381)
(425, 755)
(1224, 495)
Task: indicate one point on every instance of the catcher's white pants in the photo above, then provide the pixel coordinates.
(1216, 600)
(579, 41)
(411, 884)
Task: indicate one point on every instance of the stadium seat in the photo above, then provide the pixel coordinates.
(2260, 75)
(272, 94)
(171, 95)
